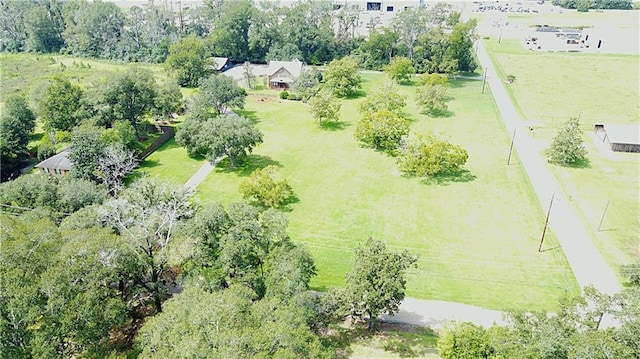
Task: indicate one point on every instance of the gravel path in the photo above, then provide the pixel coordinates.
(435, 314)
(588, 265)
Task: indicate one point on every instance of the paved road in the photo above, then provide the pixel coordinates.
(588, 265)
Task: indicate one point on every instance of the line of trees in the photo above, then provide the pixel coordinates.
(433, 38)
(104, 278)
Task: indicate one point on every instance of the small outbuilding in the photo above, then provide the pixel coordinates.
(57, 164)
(283, 73)
(621, 138)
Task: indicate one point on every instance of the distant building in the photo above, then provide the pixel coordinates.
(219, 63)
(283, 73)
(58, 164)
(621, 138)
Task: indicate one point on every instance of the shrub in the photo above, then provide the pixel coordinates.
(284, 95)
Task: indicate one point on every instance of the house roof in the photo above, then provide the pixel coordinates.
(218, 62)
(294, 67)
(59, 161)
(627, 134)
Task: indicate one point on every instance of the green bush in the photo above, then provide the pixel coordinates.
(284, 95)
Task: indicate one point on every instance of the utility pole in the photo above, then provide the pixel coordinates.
(511, 148)
(603, 213)
(500, 37)
(546, 221)
(484, 80)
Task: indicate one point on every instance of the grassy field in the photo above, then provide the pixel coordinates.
(476, 235)
(600, 89)
(28, 73)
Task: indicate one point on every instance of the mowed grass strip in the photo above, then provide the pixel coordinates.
(600, 88)
(477, 237)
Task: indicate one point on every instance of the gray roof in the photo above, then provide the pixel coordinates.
(59, 161)
(627, 134)
(218, 62)
(294, 67)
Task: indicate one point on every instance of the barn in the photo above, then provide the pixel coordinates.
(621, 138)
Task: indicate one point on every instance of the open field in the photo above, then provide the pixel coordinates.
(476, 235)
(28, 73)
(551, 87)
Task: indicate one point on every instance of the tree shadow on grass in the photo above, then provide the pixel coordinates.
(334, 125)
(462, 82)
(284, 207)
(251, 115)
(444, 179)
(250, 164)
(36, 136)
(439, 113)
(355, 95)
(583, 163)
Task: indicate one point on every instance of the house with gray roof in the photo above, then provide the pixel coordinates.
(57, 164)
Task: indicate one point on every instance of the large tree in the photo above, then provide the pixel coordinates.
(382, 130)
(87, 147)
(16, 123)
(228, 134)
(342, 77)
(130, 96)
(567, 148)
(230, 35)
(187, 60)
(61, 107)
(379, 49)
(324, 106)
(376, 283)
(114, 165)
(94, 29)
(146, 215)
(216, 95)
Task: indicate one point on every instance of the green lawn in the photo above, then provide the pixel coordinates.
(551, 87)
(477, 236)
(171, 162)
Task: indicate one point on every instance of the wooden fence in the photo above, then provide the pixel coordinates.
(167, 133)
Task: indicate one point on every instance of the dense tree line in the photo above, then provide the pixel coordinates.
(585, 5)
(312, 31)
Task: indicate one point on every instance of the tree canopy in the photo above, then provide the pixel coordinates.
(429, 155)
(228, 134)
(376, 283)
(567, 148)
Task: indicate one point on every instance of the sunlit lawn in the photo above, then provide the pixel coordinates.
(600, 88)
(171, 162)
(476, 236)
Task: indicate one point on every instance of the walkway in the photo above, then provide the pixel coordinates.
(588, 265)
(202, 173)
